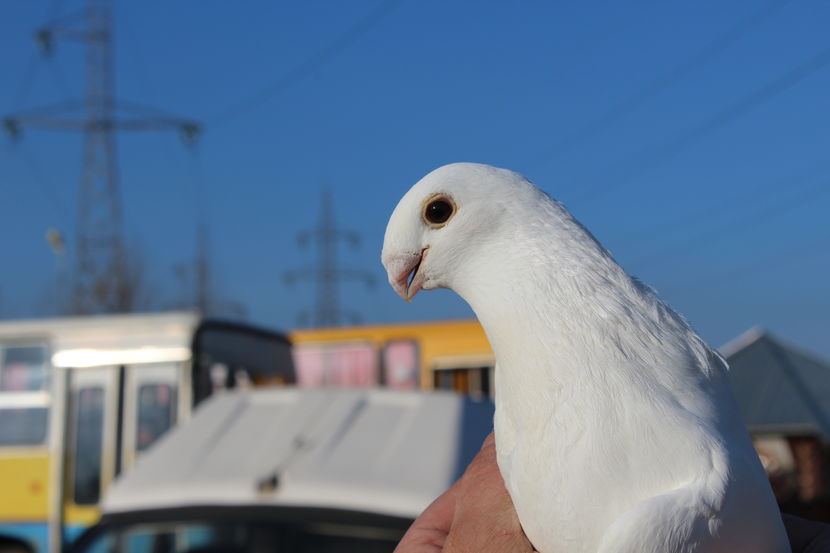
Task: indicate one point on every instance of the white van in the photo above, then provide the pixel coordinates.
(292, 470)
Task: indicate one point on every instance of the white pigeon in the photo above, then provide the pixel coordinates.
(616, 429)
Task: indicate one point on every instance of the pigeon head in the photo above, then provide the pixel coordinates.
(442, 223)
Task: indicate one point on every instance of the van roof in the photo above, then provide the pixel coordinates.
(379, 451)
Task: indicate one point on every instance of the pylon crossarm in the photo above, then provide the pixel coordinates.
(357, 274)
(65, 21)
(290, 276)
(149, 111)
(47, 123)
(153, 124)
(14, 125)
(12, 128)
(47, 36)
(67, 106)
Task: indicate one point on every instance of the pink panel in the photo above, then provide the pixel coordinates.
(400, 362)
(339, 366)
(308, 362)
(351, 366)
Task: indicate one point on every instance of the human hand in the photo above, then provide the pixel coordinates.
(475, 515)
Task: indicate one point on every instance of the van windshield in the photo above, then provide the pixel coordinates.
(250, 536)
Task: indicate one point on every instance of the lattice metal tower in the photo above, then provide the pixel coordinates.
(327, 274)
(102, 277)
(103, 282)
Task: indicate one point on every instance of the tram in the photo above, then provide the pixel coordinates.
(81, 398)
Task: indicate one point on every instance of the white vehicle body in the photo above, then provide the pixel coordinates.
(353, 465)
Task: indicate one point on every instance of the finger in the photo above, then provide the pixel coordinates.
(429, 531)
(485, 520)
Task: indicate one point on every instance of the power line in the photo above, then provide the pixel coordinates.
(721, 207)
(648, 159)
(770, 211)
(655, 87)
(598, 38)
(754, 266)
(311, 64)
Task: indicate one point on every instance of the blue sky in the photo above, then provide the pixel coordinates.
(691, 138)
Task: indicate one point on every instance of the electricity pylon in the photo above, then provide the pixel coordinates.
(327, 274)
(103, 282)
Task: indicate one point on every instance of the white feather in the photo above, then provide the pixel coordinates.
(616, 430)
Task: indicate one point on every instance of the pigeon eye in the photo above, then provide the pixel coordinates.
(439, 210)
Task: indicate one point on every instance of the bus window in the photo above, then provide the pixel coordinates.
(23, 368)
(23, 426)
(400, 365)
(346, 365)
(24, 411)
(156, 413)
(474, 382)
(89, 435)
(226, 355)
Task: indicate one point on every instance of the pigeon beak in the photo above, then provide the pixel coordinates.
(403, 273)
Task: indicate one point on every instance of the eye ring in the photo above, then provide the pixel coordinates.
(438, 210)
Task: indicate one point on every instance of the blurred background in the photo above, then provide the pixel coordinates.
(690, 138)
(239, 161)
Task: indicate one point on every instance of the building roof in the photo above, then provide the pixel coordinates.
(378, 451)
(779, 389)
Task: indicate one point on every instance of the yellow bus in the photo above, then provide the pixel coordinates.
(452, 355)
(81, 398)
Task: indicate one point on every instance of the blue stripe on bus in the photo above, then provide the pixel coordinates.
(36, 534)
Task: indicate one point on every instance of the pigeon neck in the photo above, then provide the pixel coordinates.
(551, 302)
